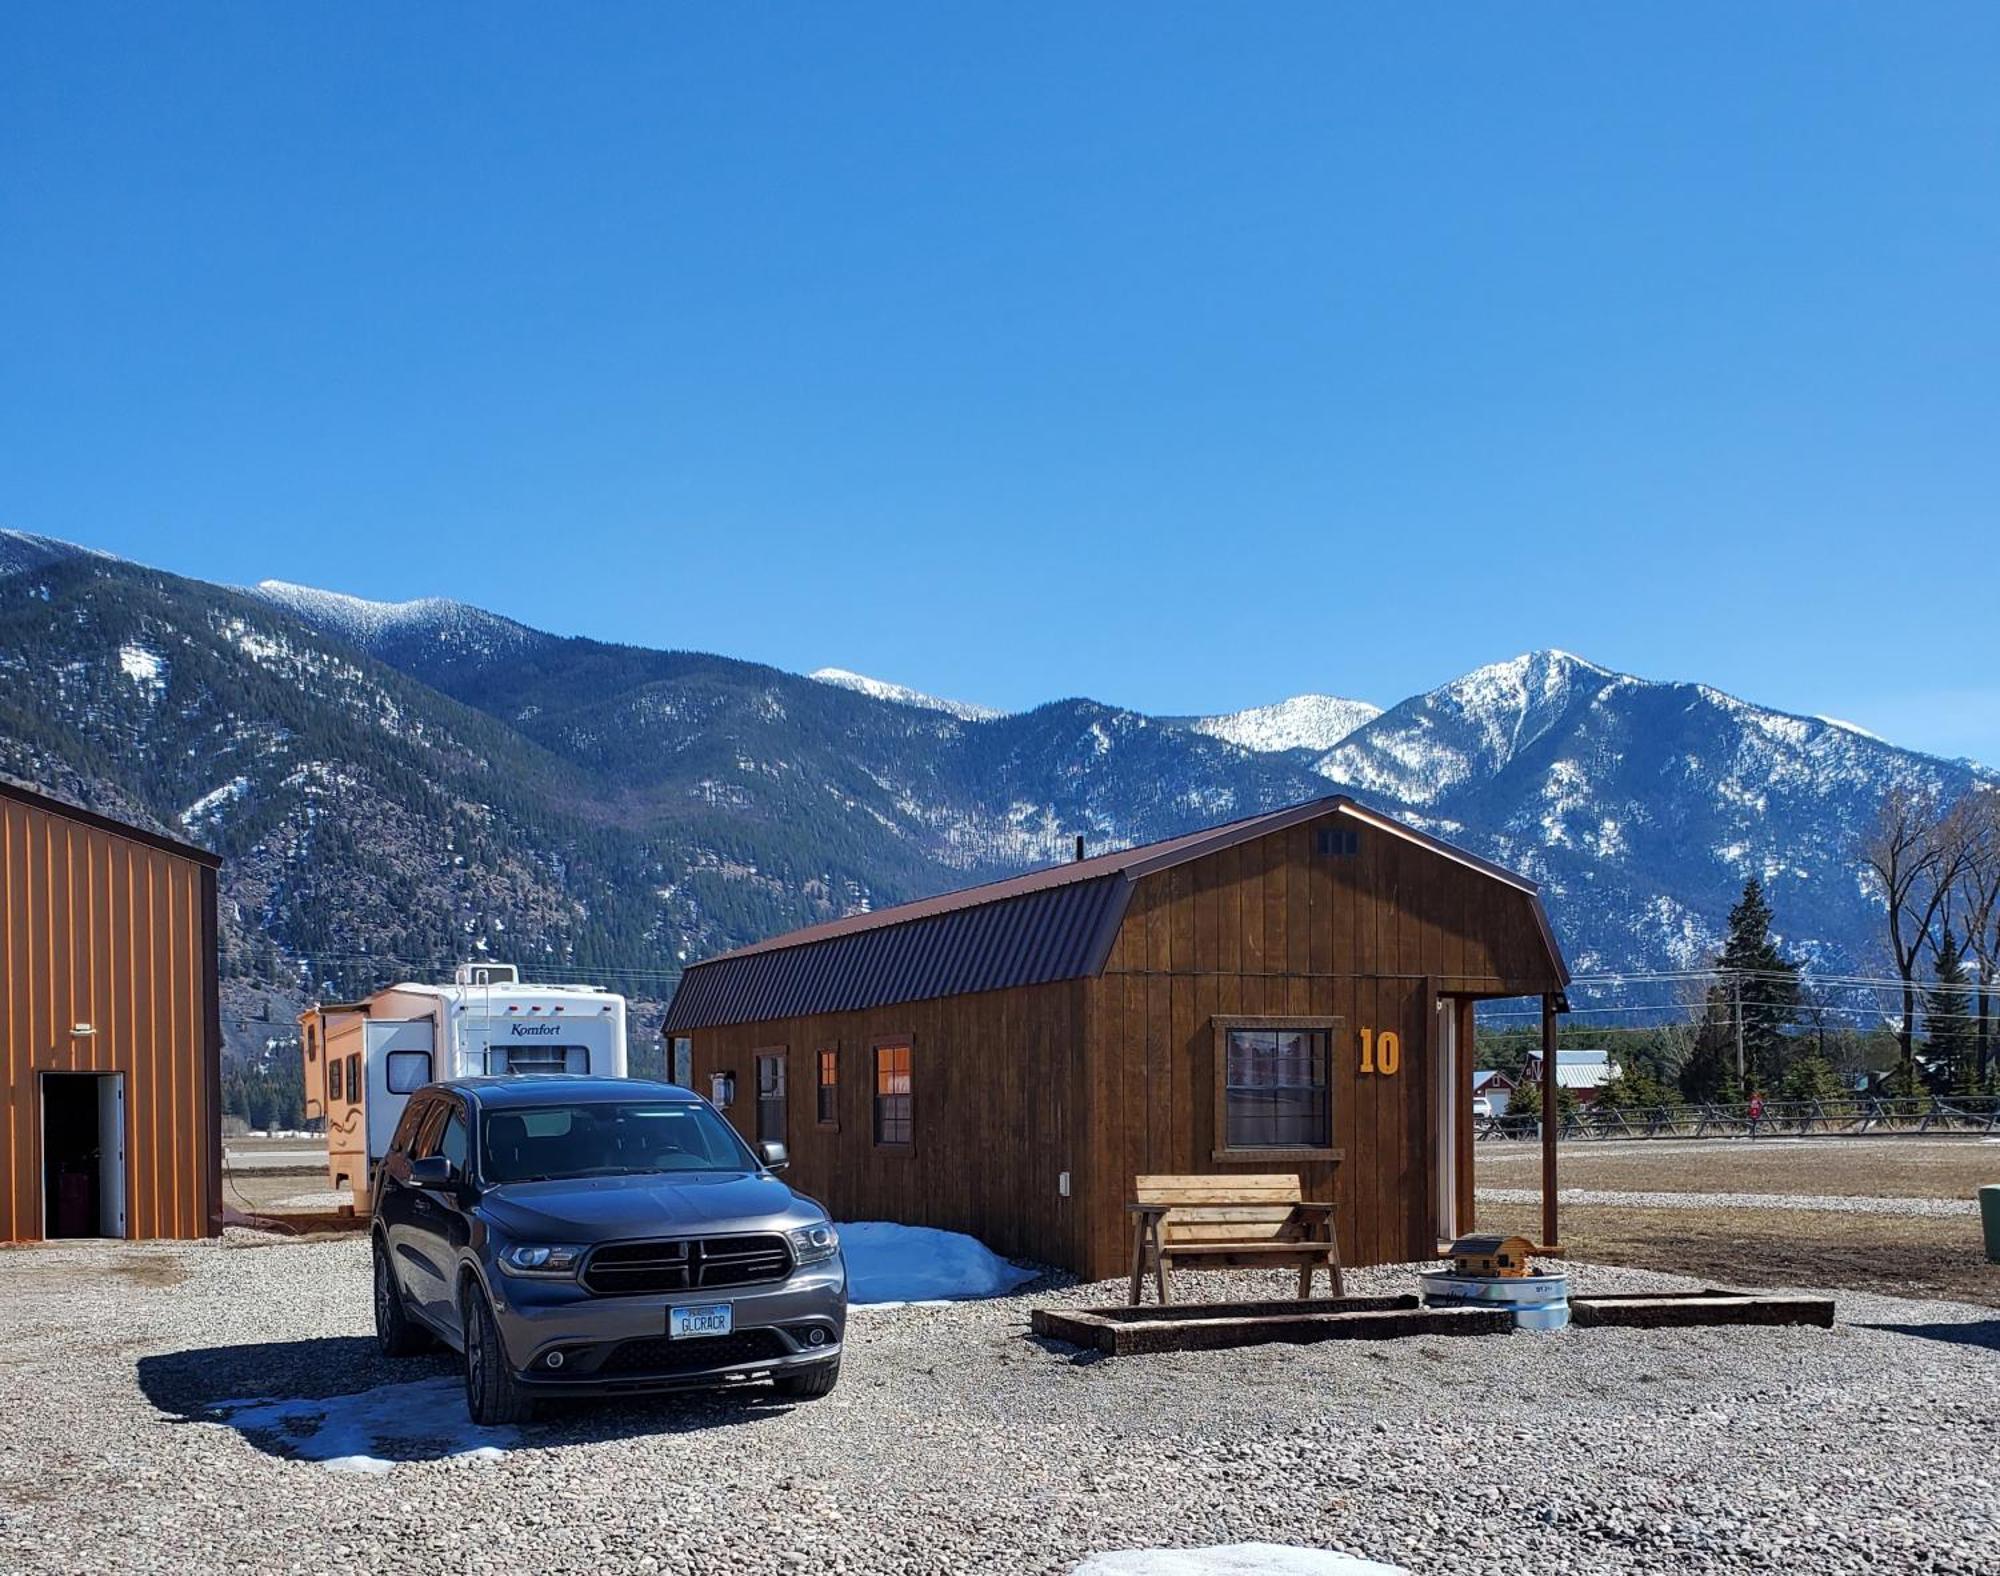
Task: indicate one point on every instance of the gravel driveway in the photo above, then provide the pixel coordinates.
(957, 1443)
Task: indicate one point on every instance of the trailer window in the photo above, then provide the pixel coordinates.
(333, 1079)
(1275, 1092)
(895, 1124)
(354, 1076)
(408, 1071)
(521, 1060)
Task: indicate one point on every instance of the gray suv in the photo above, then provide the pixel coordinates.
(598, 1236)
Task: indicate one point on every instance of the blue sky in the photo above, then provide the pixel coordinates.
(1182, 356)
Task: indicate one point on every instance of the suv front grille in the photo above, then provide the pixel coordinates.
(624, 1269)
(658, 1355)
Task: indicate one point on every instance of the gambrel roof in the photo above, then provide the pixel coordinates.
(1056, 923)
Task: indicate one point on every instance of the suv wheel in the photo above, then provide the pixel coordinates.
(806, 1383)
(492, 1394)
(396, 1333)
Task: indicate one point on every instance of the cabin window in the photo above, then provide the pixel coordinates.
(408, 1071)
(1274, 1091)
(895, 1126)
(771, 1097)
(829, 1086)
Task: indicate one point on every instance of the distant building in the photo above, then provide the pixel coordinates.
(1582, 1072)
(1496, 1086)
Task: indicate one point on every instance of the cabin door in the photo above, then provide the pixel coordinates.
(771, 1097)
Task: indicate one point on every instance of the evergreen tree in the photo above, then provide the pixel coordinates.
(1762, 984)
(1949, 1036)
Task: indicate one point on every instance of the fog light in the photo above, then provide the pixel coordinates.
(815, 1336)
(554, 1359)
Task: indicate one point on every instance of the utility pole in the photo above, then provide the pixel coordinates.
(1736, 982)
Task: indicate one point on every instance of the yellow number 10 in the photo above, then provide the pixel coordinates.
(1381, 1053)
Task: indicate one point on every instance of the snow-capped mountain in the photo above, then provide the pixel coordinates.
(1305, 722)
(374, 625)
(903, 695)
(394, 785)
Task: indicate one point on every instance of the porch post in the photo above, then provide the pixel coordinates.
(1468, 1059)
(1551, 1120)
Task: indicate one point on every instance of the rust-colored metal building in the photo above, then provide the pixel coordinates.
(1292, 992)
(110, 1028)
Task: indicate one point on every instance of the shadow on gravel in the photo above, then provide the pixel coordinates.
(339, 1402)
(1979, 1332)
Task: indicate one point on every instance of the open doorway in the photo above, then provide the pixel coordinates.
(83, 1154)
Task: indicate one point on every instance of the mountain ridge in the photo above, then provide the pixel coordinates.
(418, 781)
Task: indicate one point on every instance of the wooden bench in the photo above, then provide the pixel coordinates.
(1229, 1222)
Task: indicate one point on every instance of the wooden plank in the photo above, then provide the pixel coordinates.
(1170, 1335)
(1680, 1310)
(1232, 1188)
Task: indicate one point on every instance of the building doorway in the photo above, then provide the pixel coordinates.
(83, 1154)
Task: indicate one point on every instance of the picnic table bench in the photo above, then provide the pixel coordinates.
(1254, 1221)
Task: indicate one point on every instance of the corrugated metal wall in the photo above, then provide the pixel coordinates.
(112, 931)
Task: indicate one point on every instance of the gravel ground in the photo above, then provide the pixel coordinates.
(956, 1443)
(1837, 1203)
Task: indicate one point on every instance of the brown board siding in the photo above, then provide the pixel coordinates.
(1113, 1075)
(999, 1100)
(117, 931)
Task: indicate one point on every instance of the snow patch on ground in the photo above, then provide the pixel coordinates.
(145, 668)
(1232, 1559)
(371, 1430)
(903, 695)
(1305, 722)
(214, 802)
(888, 1263)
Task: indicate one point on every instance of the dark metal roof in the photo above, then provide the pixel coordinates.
(1057, 923)
(104, 823)
(1031, 938)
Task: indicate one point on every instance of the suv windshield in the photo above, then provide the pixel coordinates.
(605, 1138)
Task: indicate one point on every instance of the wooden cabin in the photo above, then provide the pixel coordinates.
(110, 1028)
(1292, 992)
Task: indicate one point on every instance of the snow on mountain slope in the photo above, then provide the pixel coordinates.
(369, 625)
(1305, 722)
(1475, 725)
(903, 695)
(22, 551)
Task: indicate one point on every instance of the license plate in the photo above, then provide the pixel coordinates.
(713, 1319)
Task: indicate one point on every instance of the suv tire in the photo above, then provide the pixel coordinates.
(396, 1333)
(806, 1384)
(492, 1394)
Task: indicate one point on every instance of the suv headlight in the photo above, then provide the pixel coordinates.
(550, 1261)
(814, 1244)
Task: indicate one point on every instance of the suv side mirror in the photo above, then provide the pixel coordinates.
(776, 1156)
(432, 1171)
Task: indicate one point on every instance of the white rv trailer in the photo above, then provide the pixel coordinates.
(364, 1059)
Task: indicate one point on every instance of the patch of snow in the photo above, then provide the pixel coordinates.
(903, 695)
(1851, 727)
(212, 803)
(887, 1263)
(1233, 1559)
(146, 668)
(1305, 722)
(369, 1431)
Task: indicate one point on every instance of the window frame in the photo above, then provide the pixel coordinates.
(389, 1071)
(907, 1044)
(774, 1056)
(1221, 1152)
(826, 1091)
(354, 1076)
